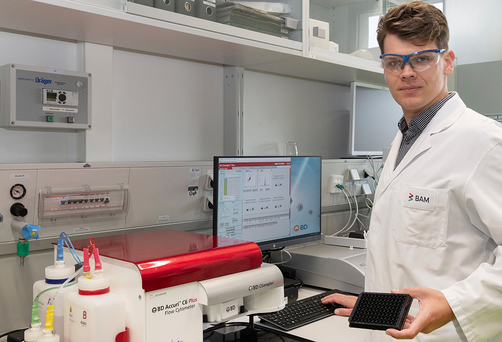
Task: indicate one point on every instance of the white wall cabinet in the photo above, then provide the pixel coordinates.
(141, 28)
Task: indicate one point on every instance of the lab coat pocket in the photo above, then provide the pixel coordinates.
(420, 217)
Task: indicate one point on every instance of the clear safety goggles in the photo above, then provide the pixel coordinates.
(418, 61)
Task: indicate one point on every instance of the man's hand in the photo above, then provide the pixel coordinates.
(344, 300)
(434, 313)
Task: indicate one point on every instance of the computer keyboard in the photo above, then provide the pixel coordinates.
(301, 312)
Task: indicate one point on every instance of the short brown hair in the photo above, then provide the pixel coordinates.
(417, 22)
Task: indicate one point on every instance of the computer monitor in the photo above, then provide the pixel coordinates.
(374, 115)
(272, 201)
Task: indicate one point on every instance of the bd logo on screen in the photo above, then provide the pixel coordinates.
(300, 227)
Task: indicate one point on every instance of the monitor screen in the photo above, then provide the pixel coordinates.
(374, 115)
(272, 201)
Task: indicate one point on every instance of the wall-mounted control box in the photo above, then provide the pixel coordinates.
(34, 97)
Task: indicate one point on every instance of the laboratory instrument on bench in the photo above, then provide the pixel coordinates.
(327, 266)
(174, 281)
(302, 312)
(34, 97)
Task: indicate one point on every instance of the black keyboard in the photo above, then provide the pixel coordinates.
(301, 312)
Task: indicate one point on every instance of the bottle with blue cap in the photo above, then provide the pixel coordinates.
(50, 291)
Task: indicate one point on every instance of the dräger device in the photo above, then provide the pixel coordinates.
(44, 98)
(174, 281)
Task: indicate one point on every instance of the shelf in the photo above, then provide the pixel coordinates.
(336, 68)
(149, 30)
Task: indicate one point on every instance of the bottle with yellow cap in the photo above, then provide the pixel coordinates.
(59, 280)
(49, 335)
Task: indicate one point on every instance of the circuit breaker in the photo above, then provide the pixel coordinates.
(34, 97)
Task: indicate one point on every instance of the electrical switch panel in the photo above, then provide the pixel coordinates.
(82, 203)
(100, 199)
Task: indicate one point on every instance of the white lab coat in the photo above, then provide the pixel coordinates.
(437, 222)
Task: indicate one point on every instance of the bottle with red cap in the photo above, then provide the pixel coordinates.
(93, 313)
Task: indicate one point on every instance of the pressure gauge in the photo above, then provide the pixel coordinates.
(17, 191)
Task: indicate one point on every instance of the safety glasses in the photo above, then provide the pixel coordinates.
(418, 61)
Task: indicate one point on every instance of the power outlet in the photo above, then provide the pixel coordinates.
(366, 189)
(208, 204)
(358, 189)
(354, 174)
(209, 182)
(333, 181)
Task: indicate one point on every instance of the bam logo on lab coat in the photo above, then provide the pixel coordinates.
(418, 198)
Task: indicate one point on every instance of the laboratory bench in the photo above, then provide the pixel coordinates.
(330, 329)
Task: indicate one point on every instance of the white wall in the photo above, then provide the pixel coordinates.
(37, 146)
(476, 39)
(277, 109)
(475, 30)
(166, 109)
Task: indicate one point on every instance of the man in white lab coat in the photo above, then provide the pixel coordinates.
(436, 227)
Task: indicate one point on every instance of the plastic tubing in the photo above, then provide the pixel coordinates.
(98, 267)
(347, 227)
(355, 216)
(73, 276)
(34, 309)
(344, 191)
(34, 312)
(357, 211)
(63, 238)
(87, 266)
(60, 249)
(35, 319)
